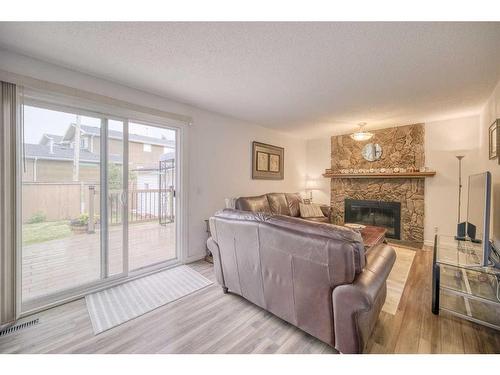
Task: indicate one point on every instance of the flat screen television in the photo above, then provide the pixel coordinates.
(478, 213)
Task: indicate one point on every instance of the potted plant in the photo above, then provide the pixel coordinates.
(80, 224)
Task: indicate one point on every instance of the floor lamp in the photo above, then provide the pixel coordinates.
(464, 229)
(459, 157)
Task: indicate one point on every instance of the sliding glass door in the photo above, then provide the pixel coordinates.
(97, 201)
(151, 180)
(61, 187)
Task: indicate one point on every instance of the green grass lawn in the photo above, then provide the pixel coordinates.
(46, 231)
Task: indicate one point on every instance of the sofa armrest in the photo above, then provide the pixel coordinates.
(327, 211)
(214, 249)
(356, 306)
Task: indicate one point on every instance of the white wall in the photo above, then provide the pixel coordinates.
(219, 146)
(221, 165)
(318, 159)
(444, 140)
(490, 112)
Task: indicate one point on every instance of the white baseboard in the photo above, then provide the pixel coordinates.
(194, 258)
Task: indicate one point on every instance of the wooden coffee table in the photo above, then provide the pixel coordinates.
(372, 236)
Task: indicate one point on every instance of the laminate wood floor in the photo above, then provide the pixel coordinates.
(209, 321)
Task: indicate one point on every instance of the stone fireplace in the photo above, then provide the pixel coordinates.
(402, 147)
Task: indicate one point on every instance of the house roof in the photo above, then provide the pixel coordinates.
(47, 136)
(64, 153)
(94, 130)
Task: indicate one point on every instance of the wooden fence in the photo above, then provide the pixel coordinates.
(66, 201)
(57, 201)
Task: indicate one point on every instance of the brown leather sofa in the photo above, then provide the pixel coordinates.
(279, 204)
(315, 276)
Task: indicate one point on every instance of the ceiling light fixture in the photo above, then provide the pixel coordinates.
(361, 135)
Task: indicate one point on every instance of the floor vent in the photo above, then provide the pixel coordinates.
(18, 327)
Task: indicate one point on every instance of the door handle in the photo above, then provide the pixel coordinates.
(123, 198)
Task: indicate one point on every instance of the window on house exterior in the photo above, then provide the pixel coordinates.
(146, 147)
(84, 143)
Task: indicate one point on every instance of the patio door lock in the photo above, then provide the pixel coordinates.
(123, 198)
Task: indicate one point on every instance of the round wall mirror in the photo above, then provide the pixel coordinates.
(372, 151)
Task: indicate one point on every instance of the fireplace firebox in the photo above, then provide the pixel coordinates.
(378, 213)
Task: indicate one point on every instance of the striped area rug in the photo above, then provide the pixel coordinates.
(397, 278)
(119, 304)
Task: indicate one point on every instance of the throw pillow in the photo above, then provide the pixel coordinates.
(310, 210)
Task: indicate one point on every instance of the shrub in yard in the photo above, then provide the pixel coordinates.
(38, 217)
(82, 220)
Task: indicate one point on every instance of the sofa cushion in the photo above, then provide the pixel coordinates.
(293, 200)
(255, 204)
(310, 210)
(278, 204)
(307, 226)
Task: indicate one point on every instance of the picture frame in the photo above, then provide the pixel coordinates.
(494, 140)
(267, 161)
(274, 163)
(262, 161)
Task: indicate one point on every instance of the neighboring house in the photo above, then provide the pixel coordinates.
(147, 177)
(54, 163)
(52, 159)
(47, 138)
(144, 151)
(147, 184)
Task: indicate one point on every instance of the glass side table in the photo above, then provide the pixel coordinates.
(461, 286)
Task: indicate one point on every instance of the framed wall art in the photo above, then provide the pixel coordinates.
(267, 162)
(494, 139)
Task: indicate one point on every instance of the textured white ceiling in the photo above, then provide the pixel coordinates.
(308, 78)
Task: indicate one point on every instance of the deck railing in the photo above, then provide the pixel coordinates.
(71, 200)
(143, 205)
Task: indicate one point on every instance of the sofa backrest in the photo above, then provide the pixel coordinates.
(293, 200)
(258, 203)
(286, 265)
(276, 203)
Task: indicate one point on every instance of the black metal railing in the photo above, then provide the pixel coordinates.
(143, 205)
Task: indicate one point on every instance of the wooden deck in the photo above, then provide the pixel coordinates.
(57, 265)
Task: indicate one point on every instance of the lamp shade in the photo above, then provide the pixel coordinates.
(312, 184)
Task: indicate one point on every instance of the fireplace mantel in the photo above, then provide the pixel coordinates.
(379, 175)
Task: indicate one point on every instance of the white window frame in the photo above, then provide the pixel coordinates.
(84, 143)
(76, 104)
(146, 147)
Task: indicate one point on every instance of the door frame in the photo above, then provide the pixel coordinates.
(105, 111)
